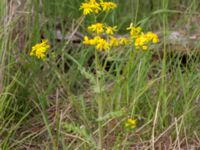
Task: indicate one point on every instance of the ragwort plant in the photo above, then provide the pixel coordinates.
(103, 39)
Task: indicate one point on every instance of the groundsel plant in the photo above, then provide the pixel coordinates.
(103, 38)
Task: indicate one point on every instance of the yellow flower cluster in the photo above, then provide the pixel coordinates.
(134, 31)
(39, 50)
(99, 30)
(103, 45)
(106, 6)
(142, 40)
(92, 6)
(96, 28)
(131, 123)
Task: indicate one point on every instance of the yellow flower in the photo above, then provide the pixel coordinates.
(40, 49)
(140, 40)
(144, 47)
(123, 41)
(143, 40)
(134, 31)
(96, 28)
(113, 42)
(99, 43)
(152, 37)
(86, 40)
(95, 40)
(111, 30)
(90, 7)
(131, 123)
(102, 45)
(107, 5)
(87, 8)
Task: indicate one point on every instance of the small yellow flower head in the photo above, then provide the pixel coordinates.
(99, 43)
(144, 47)
(39, 50)
(113, 42)
(102, 45)
(96, 28)
(87, 8)
(86, 40)
(107, 5)
(134, 31)
(93, 41)
(141, 42)
(131, 123)
(90, 7)
(111, 30)
(152, 37)
(123, 41)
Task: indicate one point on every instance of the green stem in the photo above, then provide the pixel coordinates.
(100, 103)
(100, 114)
(136, 12)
